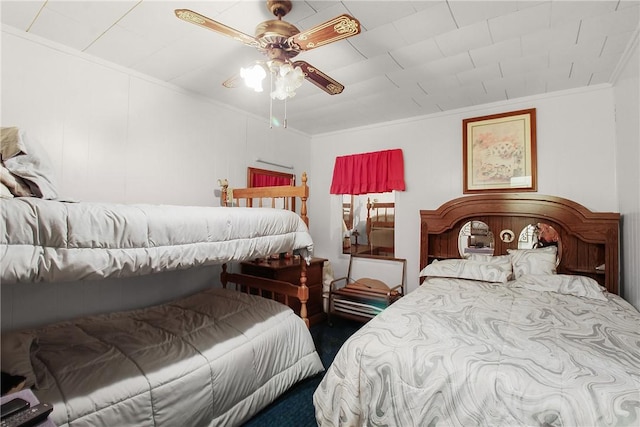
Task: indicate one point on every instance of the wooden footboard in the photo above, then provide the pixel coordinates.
(276, 290)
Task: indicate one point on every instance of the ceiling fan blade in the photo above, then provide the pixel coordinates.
(201, 20)
(319, 78)
(338, 28)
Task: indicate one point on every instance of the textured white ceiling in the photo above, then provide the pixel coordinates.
(412, 57)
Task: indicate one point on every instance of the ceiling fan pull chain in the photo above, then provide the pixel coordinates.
(270, 100)
(285, 112)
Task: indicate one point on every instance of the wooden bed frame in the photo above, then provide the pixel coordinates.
(270, 197)
(589, 239)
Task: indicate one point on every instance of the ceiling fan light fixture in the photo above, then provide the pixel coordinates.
(253, 76)
(287, 79)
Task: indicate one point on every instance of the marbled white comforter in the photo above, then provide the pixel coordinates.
(464, 353)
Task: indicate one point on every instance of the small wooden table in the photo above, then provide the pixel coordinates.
(288, 270)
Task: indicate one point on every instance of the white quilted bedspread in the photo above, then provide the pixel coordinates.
(45, 240)
(465, 353)
(212, 359)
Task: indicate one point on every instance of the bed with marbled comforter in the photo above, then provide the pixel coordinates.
(540, 350)
(532, 335)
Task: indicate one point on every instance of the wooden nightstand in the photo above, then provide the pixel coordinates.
(288, 270)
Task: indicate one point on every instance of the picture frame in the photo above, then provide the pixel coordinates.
(499, 152)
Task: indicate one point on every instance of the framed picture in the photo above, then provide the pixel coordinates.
(499, 152)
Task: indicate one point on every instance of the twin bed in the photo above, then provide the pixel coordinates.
(519, 337)
(216, 357)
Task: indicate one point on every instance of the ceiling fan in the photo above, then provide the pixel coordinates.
(281, 41)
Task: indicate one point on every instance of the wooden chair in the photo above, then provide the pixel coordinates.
(371, 285)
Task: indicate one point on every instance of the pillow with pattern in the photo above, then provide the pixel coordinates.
(465, 269)
(533, 261)
(501, 261)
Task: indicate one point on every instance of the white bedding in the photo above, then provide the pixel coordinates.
(213, 359)
(45, 240)
(460, 352)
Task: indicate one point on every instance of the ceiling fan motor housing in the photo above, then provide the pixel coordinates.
(274, 34)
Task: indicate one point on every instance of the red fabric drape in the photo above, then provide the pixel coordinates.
(269, 181)
(375, 172)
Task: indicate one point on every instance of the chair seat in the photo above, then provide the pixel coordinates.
(354, 290)
(365, 297)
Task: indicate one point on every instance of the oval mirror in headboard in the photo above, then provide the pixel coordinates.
(540, 235)
(475, 237)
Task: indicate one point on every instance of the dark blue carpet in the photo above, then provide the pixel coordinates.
(295, 407)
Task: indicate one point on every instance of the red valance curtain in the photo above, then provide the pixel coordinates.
(259, 180)
(375, 172)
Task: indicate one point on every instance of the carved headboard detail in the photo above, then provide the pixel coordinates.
(589, 239)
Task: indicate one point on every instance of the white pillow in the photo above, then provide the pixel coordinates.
(533, 261)
(501, 261)
(465, 269)
(25, 157)
(580, 286)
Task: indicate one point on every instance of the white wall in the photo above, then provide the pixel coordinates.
(118, 136)
(576, 160)
(627, 100)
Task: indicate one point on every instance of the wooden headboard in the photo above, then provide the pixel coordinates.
(589, 239)
(256, 196)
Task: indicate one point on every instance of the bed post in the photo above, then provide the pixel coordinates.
(303, 292)
(368, 223)
(303, 198)
(224, 187)
(224, 278)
